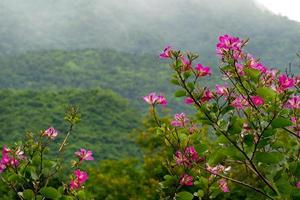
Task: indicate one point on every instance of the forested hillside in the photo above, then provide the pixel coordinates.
(145, 26)
(106, 119)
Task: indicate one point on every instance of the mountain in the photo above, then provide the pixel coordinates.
(146, 26)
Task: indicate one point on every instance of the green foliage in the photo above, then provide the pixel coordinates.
(106, 119)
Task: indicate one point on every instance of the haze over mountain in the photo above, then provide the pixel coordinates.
(140, 26)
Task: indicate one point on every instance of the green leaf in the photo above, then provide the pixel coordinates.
(252, 73)
(281, 122)
(269, 157)
(184, 196)
(191, 86)
(175, 81)
(266, 93)
(284, 187)
(180, 93)
(28, 194)
(50, 193)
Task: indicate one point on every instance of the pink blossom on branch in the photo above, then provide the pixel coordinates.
(293, 103)
(223, 185)
(202, 71)
(80, 178)
(222, 90)
(186, 180)
(229, 44)
(50, 133)
(83, 154)
(257, 100)
(152, 99)
(180, 120)
(285, 82)
(207, 95)
(188, 100)
(166, 52)
(191, 153)
(239, 102)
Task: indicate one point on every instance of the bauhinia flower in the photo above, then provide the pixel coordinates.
(239, 102)
(293, 103)
(229, 44)
(207, 95)
(83, 154)
(217, 169)
(285, 82)
(80, 178)
(188, 100)
(50, 133)
(166, 53)
(202, 71)
(298, 184)
(222, 90)
(186, 180)
(153, 99)
(186, 64)
(257, 100)
(254, 64)
(191, 153)
(223, 185)
(180, 120)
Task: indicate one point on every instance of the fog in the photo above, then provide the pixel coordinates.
(135, 25)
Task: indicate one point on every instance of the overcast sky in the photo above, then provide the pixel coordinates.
(289, 8)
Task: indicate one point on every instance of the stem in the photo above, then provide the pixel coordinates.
(67, 136)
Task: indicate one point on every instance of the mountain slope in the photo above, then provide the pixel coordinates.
(145, 26)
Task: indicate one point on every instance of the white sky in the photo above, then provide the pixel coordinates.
(289, 8)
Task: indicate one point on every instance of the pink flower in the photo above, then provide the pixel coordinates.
(153, 99)
(180, 120)
(5, 150)
(293, 103)
(81, 176)
(223, 185)
(285, 82)
(50, 133)
(227, 44)
(240, 69)
(191, 153)
(186, 64)
(181, 159)
(207, 95)
(254, 64)
(239, 102)
(222, 90)
(161, 100)
(298, 184)
(188, 100)
(74, 184)
(2, 167)
(166, 53)
(83, 154)
(215, 170)
(202, 71)
(186, 180)
(269, 77)
(14, 162)
(257, 100)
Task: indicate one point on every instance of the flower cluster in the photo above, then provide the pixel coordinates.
(229, 45)
(11, 158)
(80, 177)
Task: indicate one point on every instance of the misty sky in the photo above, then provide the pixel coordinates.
(289, 8)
